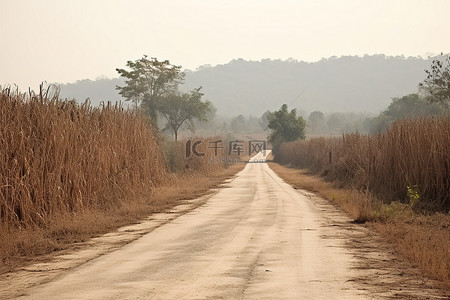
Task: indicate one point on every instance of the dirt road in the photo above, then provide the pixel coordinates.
(257, 238)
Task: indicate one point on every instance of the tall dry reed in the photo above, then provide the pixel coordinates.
(410, 161)
(60, 157)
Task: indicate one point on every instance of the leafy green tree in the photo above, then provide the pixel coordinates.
(147, 81)
(285, 126)
(181, 108)
(437, 83)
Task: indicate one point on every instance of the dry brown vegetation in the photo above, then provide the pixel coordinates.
(71, 172)
(397, 182)
(410, 162)
(59, 157)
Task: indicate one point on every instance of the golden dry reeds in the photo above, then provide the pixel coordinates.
(60, 157)
(409, 162)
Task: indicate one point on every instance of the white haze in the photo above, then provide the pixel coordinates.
(64, 41)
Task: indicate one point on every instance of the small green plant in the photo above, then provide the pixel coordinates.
(413, 194)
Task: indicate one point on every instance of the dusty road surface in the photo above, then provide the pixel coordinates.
(256, 238)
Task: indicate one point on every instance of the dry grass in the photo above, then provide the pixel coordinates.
(421, 239)
(71, 172)
(411, 159)
(58, 157)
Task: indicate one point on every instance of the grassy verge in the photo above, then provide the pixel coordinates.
(21, 247)
(424, 240)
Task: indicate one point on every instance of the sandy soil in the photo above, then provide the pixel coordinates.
(255, 238)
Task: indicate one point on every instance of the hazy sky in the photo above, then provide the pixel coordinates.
(64, 41)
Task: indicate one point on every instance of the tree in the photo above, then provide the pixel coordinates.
(178, 108)
(336, 121)
(409, 106)
(437, 83)
(285, 127)
(316, 121)
(238, 124)
(148, 81)
(264, 120)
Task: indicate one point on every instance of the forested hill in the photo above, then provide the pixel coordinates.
(348, 83)
(101, 89)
